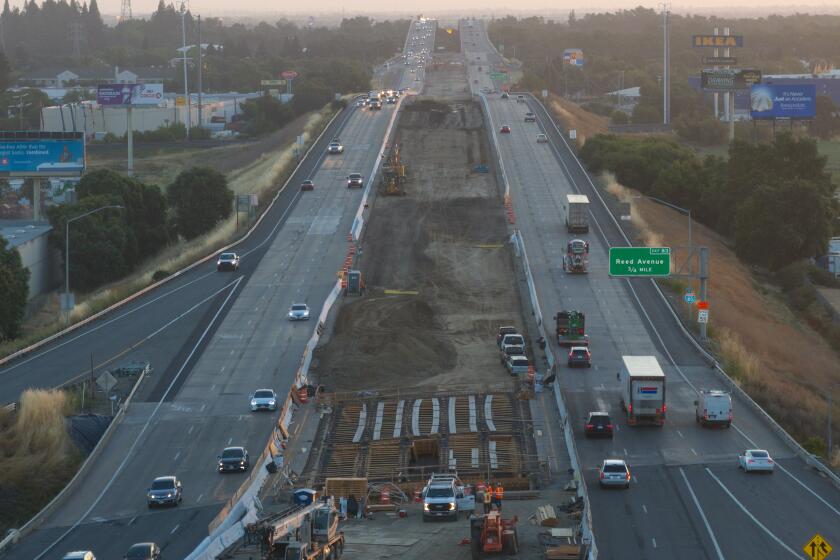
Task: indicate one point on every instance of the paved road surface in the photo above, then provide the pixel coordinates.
(688, 498)
(239, 341)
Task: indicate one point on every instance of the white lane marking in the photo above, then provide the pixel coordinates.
(625, 451)
(702, 515)
(654, 542)
(644, 508)
(222, 370)
(679, 433)
(190, 430)
(148, 423)
(203, 407)
(790, 474)
(212, 388)
(199, 498)
(175, 528)
(229, 440)
(132, 520)
(692, 450)
(176, 456)
(743, 508)
(105, 324)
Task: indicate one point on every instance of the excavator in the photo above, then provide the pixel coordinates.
(301, 532)
(393, 173)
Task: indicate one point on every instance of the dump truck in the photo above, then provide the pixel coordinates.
(577, 213)
(642, 390)
(571, 328)
(576, 260)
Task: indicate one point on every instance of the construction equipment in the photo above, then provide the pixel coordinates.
(491, 534)
(393, 173)
(571, 328)
(576, 259)
(303, 532)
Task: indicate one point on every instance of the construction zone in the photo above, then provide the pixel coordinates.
(426, 404)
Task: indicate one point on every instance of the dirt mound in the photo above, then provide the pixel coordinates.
(437, 265)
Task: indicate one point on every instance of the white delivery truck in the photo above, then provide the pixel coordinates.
(642, 390)
(714, 408)
(577, 213)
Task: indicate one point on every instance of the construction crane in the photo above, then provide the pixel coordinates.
(303, 532)
(393, 173)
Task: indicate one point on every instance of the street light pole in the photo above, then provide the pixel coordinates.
(67, 241)
(188, 121)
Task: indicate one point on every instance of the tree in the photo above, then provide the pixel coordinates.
(98, 243)
(199, 198)
(14, 285)
(5, 72)
(145, 210)
(825, 123)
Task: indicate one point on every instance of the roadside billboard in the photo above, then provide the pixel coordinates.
(111, 95)
(771, 101)
(717, 41)
(42, 156)
(573, 57)
(729, 79)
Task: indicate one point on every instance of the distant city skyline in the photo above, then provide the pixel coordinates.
(335, 9)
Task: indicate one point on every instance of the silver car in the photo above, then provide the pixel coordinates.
(165, 490)
(335, 148)
(614, 472)
(299, 312)
(263, 399)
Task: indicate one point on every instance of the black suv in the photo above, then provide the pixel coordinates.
(598, 424)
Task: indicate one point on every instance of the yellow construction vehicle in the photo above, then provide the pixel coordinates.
(393, 173)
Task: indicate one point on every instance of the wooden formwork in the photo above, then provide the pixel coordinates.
(346, 422)
(341, 461)
(503, 416)
(344, 487)
(382, 457)
(507, 456)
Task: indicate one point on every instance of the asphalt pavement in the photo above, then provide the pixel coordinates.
(688, 499)
(225, 335)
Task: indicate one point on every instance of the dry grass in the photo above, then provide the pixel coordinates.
(37, 456)
(573, 116)
(780, 361)
(262, 177)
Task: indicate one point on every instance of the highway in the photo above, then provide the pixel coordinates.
(688, 498)
(213, 338)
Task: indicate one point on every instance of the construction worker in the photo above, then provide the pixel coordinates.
(500, 493)
(488, 497)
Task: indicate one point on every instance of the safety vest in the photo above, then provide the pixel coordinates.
(488, 494)
(500, 492)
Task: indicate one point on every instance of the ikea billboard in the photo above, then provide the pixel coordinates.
(788, 101)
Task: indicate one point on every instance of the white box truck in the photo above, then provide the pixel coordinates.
(577, 213)
(714, 408)
(642, 390)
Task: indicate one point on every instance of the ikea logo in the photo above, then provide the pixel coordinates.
(717, 41)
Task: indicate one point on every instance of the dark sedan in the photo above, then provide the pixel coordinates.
(233, 459)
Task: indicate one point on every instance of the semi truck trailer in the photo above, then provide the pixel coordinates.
(642, 390)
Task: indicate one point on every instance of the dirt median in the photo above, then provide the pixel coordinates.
(443, 249)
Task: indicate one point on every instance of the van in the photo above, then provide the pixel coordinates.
(714, 408)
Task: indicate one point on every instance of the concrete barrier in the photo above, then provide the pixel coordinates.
(70, 486)
(809, 458)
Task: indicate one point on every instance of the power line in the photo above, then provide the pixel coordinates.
(125, 11)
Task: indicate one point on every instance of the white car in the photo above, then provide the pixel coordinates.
(614, 472)
(335, 148)
(542, 138)
(299, 312)
(756, 460)
(263, 399)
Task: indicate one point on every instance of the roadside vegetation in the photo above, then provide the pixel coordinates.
(37, 455)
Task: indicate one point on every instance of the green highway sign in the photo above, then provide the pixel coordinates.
(640, 261)
(498, 75)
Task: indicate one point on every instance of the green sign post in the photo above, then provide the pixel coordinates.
(640, 261)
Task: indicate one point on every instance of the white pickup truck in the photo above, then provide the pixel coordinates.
(444, 496)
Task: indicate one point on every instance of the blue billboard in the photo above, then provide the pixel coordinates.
(42, 157)
(788, 101)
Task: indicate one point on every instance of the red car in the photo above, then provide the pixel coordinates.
(505, 129)
(307, 185)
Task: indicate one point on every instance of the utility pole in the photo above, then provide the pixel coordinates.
(199, 72)
(125, 10)
(716, 53)
(188, 120)
(729, 97)
(666, 61)
(20, 105)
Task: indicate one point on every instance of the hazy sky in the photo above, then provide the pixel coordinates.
(333, 8)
